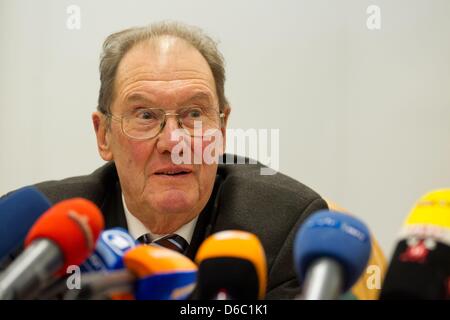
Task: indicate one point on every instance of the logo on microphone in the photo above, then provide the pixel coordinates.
(118, 241)
(83, 222)
(418, 250)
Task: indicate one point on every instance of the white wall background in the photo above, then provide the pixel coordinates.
(364, 116)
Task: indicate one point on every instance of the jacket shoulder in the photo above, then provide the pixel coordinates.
(91, 187)
(253, 176)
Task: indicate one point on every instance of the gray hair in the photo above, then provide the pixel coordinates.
(118, 44)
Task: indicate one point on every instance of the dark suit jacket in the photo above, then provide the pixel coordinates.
(271, 206)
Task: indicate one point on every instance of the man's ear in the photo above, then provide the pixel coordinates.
(226, 111)
(102, 132)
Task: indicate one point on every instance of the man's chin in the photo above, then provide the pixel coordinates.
(173, 202)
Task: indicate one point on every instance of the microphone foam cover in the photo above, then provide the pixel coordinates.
(233, 253)
(73, 225)
(418, 270)
(333, 235)
(163, 274)
(432, 209)
(18, 212)
(176, 285)
(420, 264)
(145, 260)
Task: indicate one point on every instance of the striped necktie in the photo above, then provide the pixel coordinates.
(171, 241)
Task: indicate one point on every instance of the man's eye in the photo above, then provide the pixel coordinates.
(146, 115)
(194, 113)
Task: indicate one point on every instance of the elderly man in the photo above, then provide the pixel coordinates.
(155, 81)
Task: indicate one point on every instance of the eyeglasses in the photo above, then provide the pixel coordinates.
(147, 123)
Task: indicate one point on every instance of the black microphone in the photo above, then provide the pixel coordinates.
(420, 265)
(232, 266)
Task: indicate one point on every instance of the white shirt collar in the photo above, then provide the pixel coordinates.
(136, 228)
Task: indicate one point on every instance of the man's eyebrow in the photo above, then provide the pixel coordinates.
(137, 97)
(199, 96)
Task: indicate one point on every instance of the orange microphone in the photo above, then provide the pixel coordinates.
(162, 274)
(151, 273)
(64, 235)
(232, 266)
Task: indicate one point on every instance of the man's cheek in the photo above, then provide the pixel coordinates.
(212, 148)
(204, 151)
(198, 150)
(138, 152)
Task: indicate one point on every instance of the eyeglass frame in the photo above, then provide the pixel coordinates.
(163, 123)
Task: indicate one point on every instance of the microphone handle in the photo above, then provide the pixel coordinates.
(323, 281)
(26, 275)
(100, 285)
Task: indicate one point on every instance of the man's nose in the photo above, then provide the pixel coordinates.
(169, 137)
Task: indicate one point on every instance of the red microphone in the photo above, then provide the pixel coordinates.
(64, 235)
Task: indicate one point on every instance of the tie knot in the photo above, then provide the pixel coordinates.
(171, 241)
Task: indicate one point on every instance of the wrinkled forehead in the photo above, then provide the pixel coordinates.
(166, 65)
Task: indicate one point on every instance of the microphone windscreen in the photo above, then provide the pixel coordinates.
(431, 209)
(18, 212)
(162, 274)
(420, 264)
(337, 236)
(73, 225)
(233, 261)
(109, 250)
(419, 270)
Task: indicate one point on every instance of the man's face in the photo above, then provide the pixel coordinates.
(168, 74)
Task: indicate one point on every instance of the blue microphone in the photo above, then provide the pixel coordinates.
(331, 250)
(110, 248)
(18, 213)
